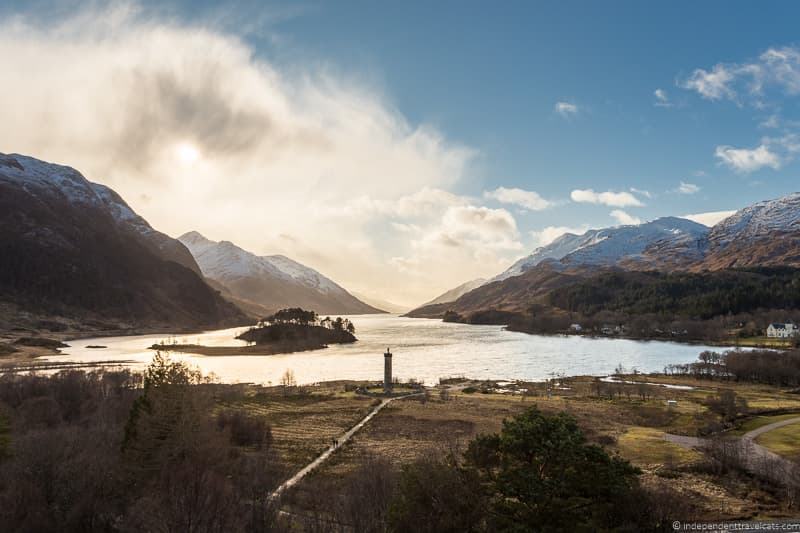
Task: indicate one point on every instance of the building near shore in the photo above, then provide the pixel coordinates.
(782, 330)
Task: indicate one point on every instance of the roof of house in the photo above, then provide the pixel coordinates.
(778, 326)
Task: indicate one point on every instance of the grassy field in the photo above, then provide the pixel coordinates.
(629, 420)
(646, 447)
(763, 342)
(760, 421)
(784, 441)
(303, 424)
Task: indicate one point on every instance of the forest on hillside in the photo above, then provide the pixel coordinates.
(692, 295)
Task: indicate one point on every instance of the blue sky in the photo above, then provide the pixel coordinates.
(554, 102)
(490, 78)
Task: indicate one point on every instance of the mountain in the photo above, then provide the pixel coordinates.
(457, 292)
(612, 246)
(74, 249)
(271, 281)
(765, 234)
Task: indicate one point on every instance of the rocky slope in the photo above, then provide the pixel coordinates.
(74, 249)
(272, 281)
(765, 234)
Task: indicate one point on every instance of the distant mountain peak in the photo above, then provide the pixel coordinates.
(608, 246)
(272, 281)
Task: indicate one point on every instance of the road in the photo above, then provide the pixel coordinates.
(756, 454)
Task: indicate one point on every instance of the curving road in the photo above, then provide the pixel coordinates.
(756, 453)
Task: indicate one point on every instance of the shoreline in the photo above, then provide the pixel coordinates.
(224, 351)
(735, 342)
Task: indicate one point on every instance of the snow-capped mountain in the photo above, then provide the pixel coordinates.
(765, 233)
(273, 281)
(72, 248)
(760, 220)
(611, 246)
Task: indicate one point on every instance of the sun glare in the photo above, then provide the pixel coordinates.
(187, 153)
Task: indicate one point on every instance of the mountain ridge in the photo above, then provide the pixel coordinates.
(270, 281)
(74, 249)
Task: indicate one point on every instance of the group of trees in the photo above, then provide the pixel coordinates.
(781, 368)
(121, 451)
(301, 317)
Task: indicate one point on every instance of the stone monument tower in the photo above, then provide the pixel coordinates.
(387, 371)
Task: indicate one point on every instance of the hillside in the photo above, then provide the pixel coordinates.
(456, 293)
(271, 281)
(74, 251)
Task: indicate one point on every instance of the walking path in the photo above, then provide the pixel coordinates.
(292, 481)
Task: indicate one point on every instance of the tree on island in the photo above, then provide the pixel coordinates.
(292, 315)
(301, 317)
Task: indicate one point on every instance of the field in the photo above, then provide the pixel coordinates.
(784, 441)
(626, 419)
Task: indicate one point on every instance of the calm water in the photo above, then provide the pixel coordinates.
(423, 349)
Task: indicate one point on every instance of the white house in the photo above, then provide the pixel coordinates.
(782, 331)
(576, 327)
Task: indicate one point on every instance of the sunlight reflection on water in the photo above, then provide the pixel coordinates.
(423, 349)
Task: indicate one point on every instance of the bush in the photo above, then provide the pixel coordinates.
(245, 429)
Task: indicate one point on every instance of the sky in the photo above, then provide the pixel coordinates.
(404, 148)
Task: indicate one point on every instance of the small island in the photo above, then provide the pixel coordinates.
(287, 331)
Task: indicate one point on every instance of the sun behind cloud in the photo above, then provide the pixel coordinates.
(187, 153)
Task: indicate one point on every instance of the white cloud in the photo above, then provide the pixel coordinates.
(566, 109)
(548, 234)
(642, 192)
(277, 152)
(490, 227)
(662, 99)
(624, 218)
(476, 240)
(527, 199)
(747, 160)
(777, 68)
(688, 188)
(710, 218)
(610, 198)
(713, 85)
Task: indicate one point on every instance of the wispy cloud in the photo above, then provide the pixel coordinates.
(624, 218)
(777, 68)
(566, 109)
(610, 198)
(641, 192)
(662, 99)
(688, 188)
(529, 200)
